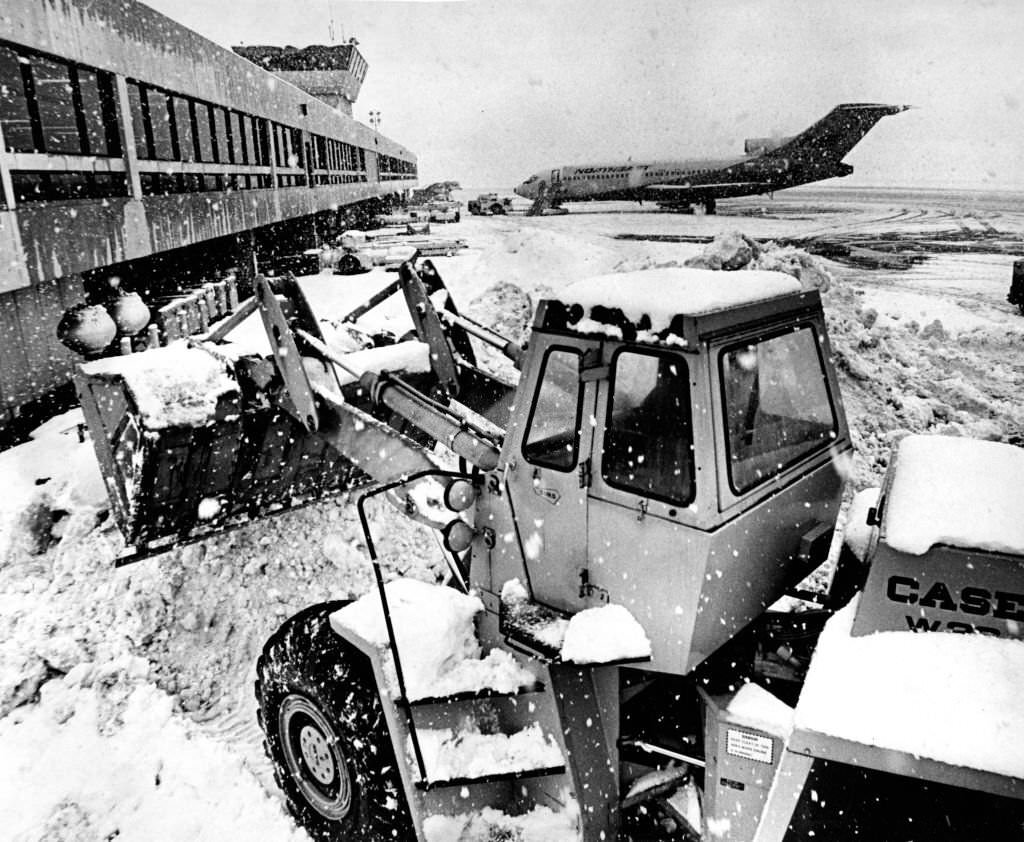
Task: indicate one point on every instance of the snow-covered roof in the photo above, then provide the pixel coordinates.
(957, 491)
(662, 294)
(948, 697)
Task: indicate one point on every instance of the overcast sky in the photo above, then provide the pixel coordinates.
(488, 91)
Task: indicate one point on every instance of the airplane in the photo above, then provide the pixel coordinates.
(769, 164)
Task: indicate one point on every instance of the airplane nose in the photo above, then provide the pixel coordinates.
(520, 191)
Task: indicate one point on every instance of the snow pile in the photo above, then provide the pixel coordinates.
(437, 643)
(956, 491)
(651, 299)
(101, 757)
(505, 308)
(755, 707)
(47, 480)
(467, 753)
(173, 386)
(734, 250)
(541, 824)
(603, 635)
(948, 697)
(809, 270)
(730, 250)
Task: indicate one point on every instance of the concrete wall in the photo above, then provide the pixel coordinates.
(33, 359)
(48, 240)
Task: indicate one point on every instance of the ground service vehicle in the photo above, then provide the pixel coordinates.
(602, 663)
(488, 204)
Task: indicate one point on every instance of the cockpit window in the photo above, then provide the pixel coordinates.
(777, 405)
(648, 440)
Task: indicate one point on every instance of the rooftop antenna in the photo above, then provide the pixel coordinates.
(330, 23)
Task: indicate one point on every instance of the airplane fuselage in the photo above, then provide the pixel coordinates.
(719, 178)
(813, 155)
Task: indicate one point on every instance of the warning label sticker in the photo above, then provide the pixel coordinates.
(751, 746)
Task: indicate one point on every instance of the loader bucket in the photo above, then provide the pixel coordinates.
(188, 448)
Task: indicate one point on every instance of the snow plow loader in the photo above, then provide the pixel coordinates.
(608, 657)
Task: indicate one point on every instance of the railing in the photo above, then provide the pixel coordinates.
(192, 313)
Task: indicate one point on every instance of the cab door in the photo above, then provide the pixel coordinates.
(549, 468)
(646, 547)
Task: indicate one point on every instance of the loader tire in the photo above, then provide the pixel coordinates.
(326, 734)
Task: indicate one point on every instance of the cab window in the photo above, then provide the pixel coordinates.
(648, 440)
(553, 431)
(777, 405)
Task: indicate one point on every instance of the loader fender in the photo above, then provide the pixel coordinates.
(326, 735)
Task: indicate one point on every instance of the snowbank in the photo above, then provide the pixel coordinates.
(54, 466)
(437, 643)
(949, 697)
(732, 250)
(175, 385)
(110, 760)
(956, 491)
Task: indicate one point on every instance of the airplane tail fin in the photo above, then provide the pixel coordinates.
(837, 132)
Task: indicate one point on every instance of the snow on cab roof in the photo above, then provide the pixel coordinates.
(956, 491)
(662, 294)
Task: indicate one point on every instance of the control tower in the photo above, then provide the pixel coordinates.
(332, 74)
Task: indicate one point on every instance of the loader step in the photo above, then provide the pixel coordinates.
(534, 629)
(469, 754)
(541, 772)
(542, 632)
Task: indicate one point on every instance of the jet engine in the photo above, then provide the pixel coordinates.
(761, 145)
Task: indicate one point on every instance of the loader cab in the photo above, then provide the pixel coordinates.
(665, 420)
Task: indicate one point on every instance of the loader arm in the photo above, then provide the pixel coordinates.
(194, 439)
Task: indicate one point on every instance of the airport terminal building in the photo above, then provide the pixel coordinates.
(133, 148)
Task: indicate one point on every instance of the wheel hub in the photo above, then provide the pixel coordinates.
(316, 753)
(313, 755)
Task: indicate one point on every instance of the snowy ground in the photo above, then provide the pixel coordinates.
(126, 706)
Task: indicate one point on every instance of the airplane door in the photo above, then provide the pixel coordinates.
(547, 483)
(556, 179)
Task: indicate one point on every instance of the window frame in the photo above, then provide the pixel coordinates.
(677, 359)
(578, 353)
(738, 491)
